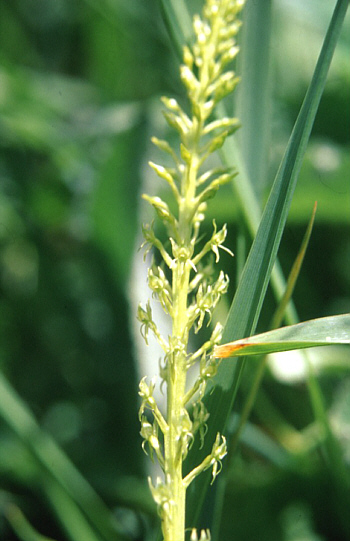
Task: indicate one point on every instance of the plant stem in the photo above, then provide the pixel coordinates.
(174, 521)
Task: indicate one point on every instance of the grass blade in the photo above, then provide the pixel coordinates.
(248, 300)
(254, 91)
(20, 419)
(22, 526)
(178, 22)
(324, 331)
(293, 276)
(276, 322)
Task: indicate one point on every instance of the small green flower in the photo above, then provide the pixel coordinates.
(218, 452)
(162, 496)
(149, 432)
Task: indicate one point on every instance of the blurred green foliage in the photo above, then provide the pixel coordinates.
(79, 89)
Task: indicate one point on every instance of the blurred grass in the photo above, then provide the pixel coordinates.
(79, 89)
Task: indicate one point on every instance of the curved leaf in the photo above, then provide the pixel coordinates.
(247, 303)
(315, 332)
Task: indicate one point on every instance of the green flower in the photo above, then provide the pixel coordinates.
(183, 283)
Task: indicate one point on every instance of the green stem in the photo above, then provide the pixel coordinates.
(174, 519)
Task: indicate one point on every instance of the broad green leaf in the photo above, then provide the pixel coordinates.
(316, 332)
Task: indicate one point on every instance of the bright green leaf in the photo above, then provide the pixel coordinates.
(315, 332)
(250, 294)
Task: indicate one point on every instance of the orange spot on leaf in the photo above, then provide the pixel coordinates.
(228, 350)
